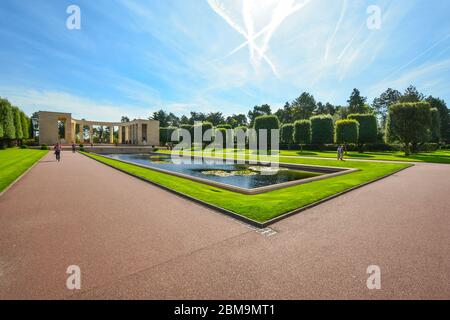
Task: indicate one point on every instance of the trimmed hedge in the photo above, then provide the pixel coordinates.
(190, 129)
(302, 131)
(205, 126)
(244, 129)
(346, 131)
(368, 128)
(410, 123)
(267, 122)
(165, 134)
(287, 133)
(322, 129)
(224, 126)
(223, 132)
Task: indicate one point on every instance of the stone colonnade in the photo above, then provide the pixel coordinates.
(137, 132)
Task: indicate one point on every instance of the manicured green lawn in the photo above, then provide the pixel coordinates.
(440, 156)
(263, 207)
(14, 162)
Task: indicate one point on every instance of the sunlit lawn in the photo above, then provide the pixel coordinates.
(14, 162)
(440, 156)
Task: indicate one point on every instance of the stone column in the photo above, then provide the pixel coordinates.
(74, 132)
(119, 135)
(111, 134)
(139, 133)
(127, 133)
(81, 128)
(91, 134)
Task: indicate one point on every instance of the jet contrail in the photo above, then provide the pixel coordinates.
(284, 9)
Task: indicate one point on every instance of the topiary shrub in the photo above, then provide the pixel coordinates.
(220, 134)
(346, 132)
(409, 123)
(302, 132)
(44, 147)
(266, 122)
(322, 129)
(287, 133)
(23, 146)
(165, 135)
(368, 128)
(242, 129)
(205, 126)
(190, 129)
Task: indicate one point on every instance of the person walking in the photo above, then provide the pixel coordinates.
(340, 152)
(73, 147)
(57, 148)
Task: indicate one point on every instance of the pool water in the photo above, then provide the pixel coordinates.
(247, 176)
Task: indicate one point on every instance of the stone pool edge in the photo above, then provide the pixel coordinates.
(253, 191)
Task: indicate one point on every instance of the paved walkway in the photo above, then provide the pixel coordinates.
(134, 240)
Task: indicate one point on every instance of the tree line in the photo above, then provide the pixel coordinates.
(356, 121)
(15, 126)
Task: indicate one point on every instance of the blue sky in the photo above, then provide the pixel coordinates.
(135, 57)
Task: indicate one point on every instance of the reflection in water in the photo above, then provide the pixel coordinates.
(239, 175)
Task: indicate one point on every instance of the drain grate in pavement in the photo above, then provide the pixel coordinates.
(267, 232)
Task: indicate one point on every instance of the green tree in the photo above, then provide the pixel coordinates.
(268, 122)
(165, 134)
(435, 125)
(322, 129)
(411, 94)
(285, 114)
(326, 108)
(162, 117)
(17, 123)
(347, 132)
(7, 120)
(205, 126)
(184, 120)
(410, 123)
(287, 133)
(25, 125)
(237, 120)
(368, 128)
(257, 112)
(356, 102)
(190, 129)
(125, 119)
(382, 103)
(197, 117)
(215, 118)
(302, 132)
(221, 134)
(303, 107)
(444, 116)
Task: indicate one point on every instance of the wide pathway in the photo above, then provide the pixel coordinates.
(133, 240)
